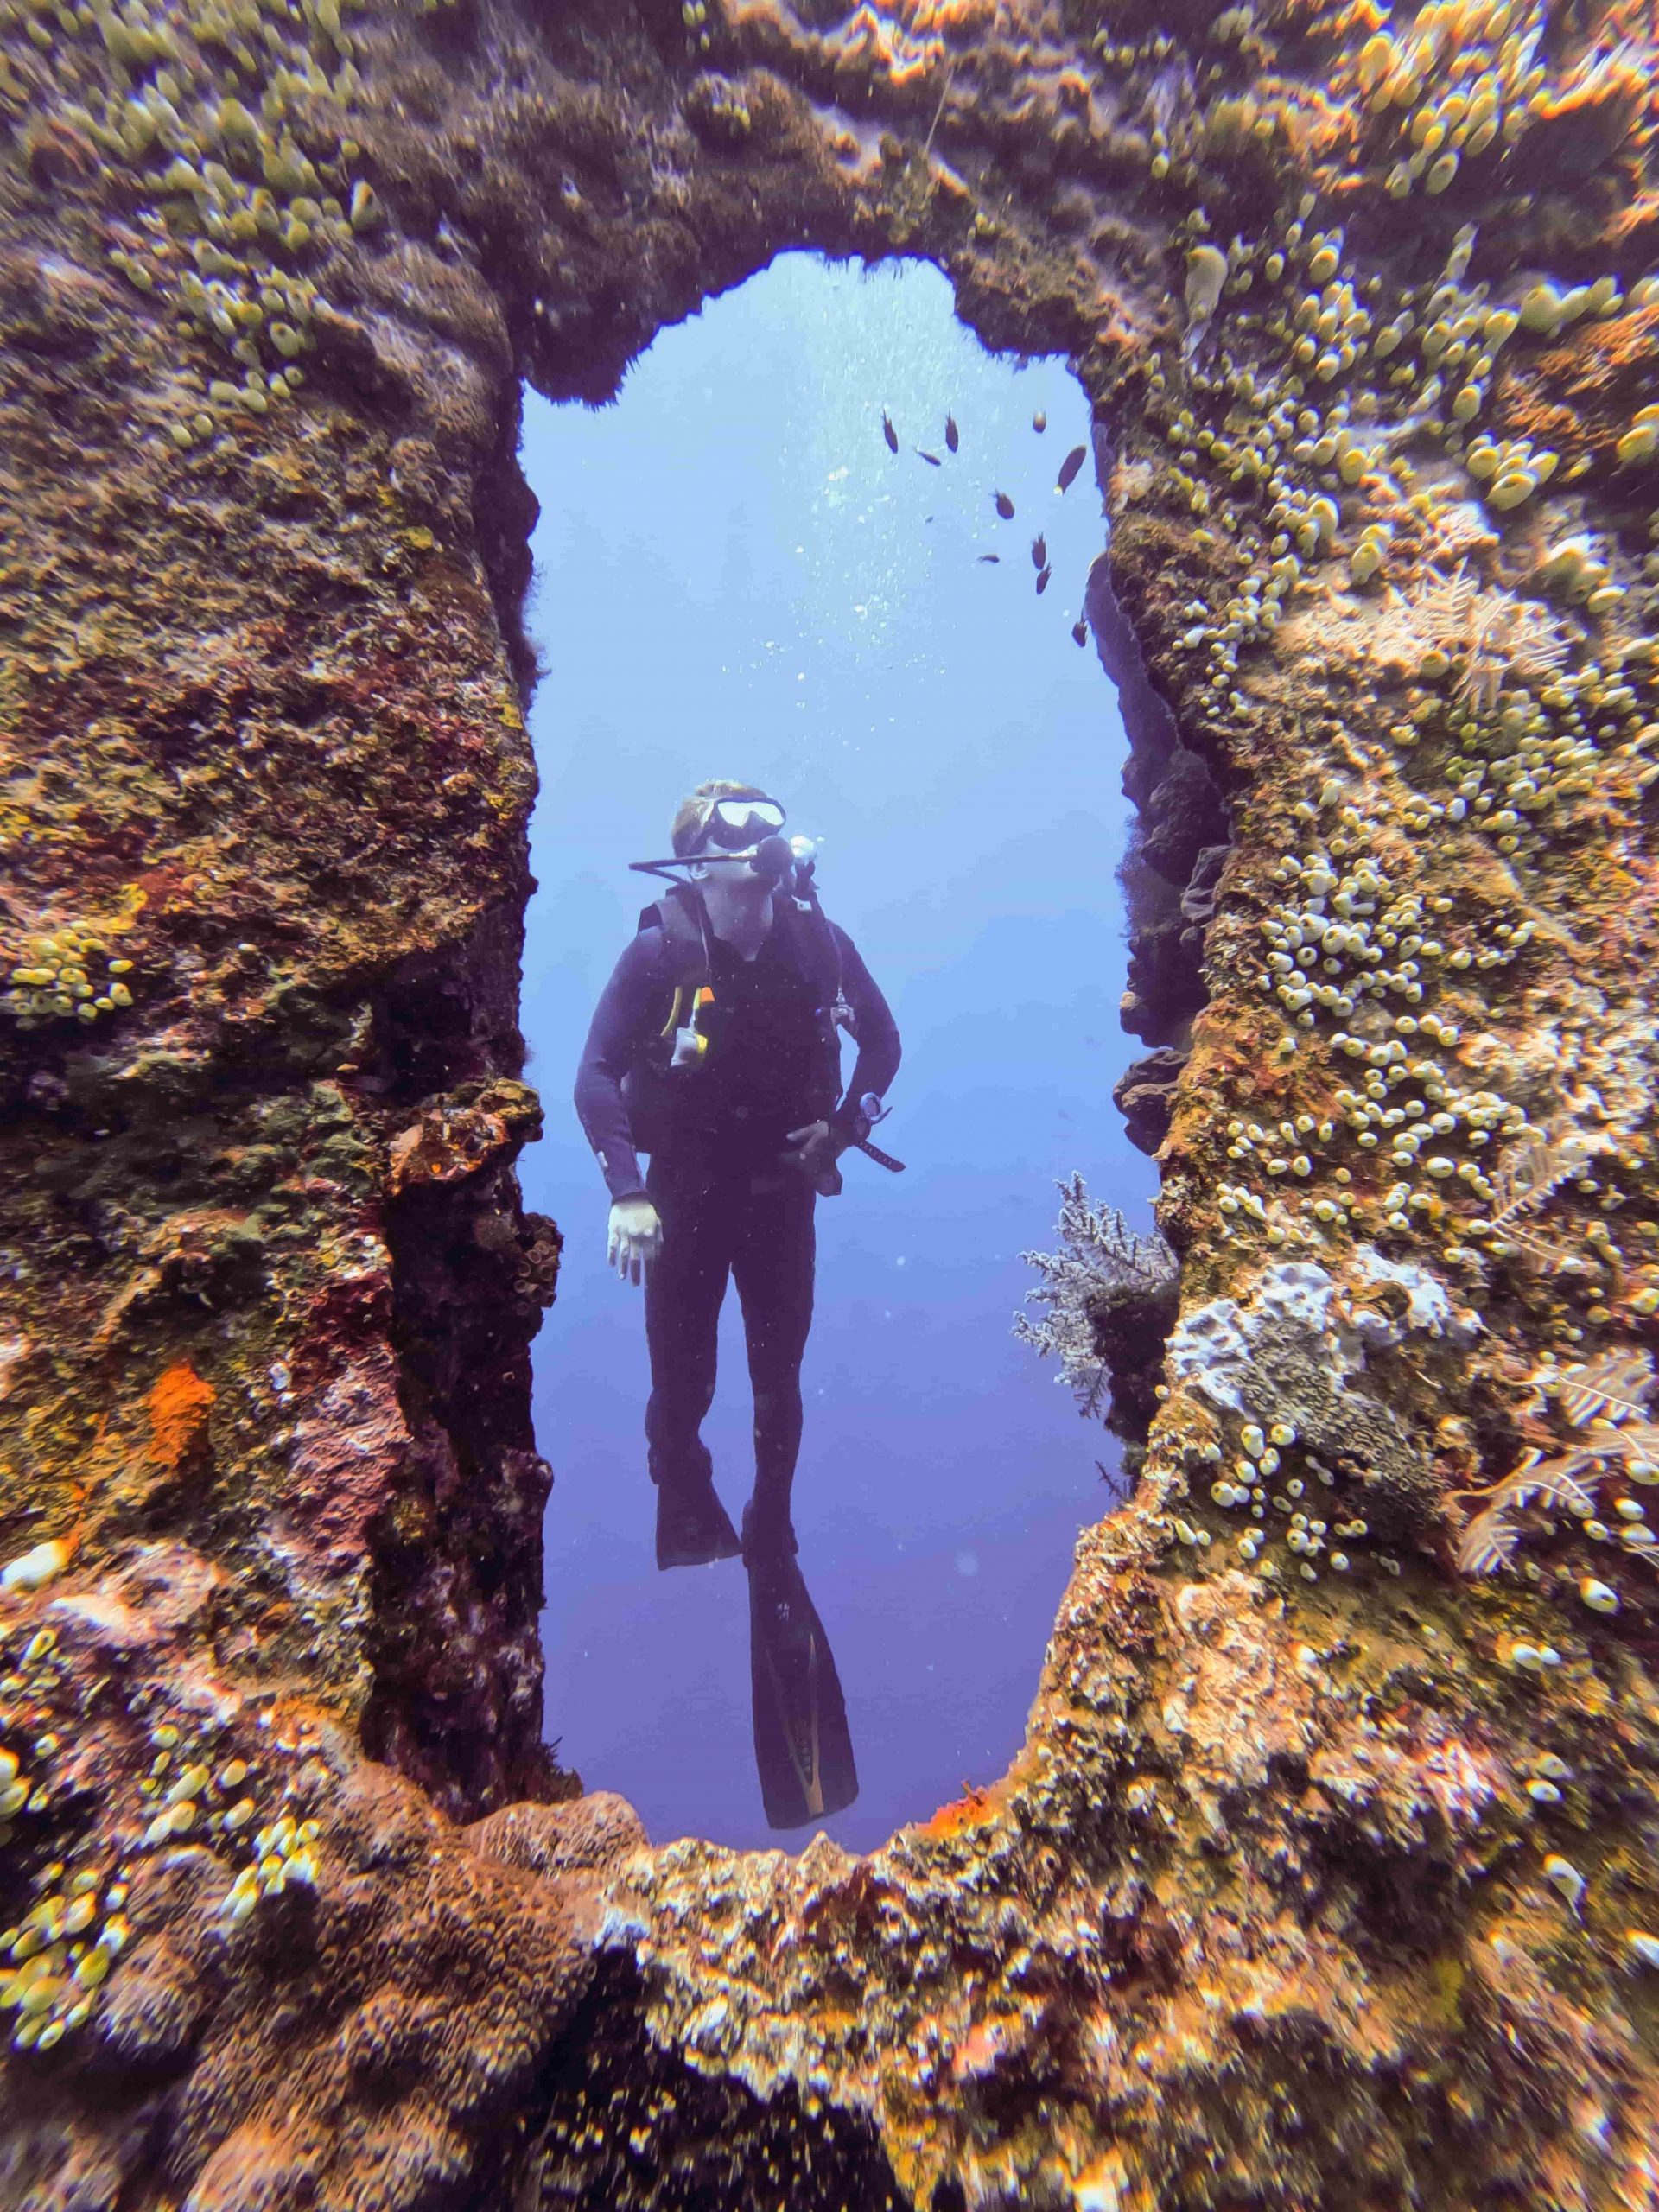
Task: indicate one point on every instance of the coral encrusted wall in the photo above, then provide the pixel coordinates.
(1326, 1875)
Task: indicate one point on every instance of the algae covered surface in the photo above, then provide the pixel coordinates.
(1326, 1873)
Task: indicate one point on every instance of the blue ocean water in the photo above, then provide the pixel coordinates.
(736, 577)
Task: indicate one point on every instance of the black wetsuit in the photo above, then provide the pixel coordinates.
(729, 1206)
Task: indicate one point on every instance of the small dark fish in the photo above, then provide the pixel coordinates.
(931, 458)
(990, 557)
(889, 433)
(952, 436)
(1005, 506)
(1069, 466)
(1043, 575)
(1039, 422)
(1079, 634)
(1040, 551)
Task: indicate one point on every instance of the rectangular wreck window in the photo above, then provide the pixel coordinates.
(738, 577)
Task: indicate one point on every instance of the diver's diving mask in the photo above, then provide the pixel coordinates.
(735, 823)
(746, 829)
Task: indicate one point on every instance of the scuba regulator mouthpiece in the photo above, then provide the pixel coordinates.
(774, 857)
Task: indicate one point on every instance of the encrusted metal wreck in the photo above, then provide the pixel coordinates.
(1326, 1874)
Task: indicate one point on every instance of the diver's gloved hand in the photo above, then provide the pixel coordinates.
(815, 1150)
(636, 1237)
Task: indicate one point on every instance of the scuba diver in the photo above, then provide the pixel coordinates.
(715, 1049)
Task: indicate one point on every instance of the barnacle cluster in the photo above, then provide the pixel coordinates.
(1286, 1495)
(1347, 944)
(1330, 419)
(283, 1852)
(1262, 453)
(1290, 1497)
(1340, 937)
(1277, 467)
(180, 1780)
(1466, 93)
(61, 1954)
(1530, 751)
(16, 1791)
(197, 1788)
(694, 14)
(228, 118)
(1461, 80)
(71, 974)
(36, 1674)
(62, 1951)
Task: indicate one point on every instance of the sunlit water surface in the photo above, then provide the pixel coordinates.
(736, 577)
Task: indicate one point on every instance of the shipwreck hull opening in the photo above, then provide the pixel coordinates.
(851, 619)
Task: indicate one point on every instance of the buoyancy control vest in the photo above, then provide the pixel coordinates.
(662, 1082)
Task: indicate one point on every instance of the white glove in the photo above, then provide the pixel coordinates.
(636, 1237)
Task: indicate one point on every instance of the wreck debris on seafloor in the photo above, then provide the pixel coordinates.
(1326, 1871)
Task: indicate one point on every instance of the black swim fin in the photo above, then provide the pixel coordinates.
(802, 1747)
(693, 1527)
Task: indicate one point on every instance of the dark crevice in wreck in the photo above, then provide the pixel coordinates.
(457, 1577)
(504, 512)
(1178, 846)
(630, 2127)
(1170, 872)
(456, 1583)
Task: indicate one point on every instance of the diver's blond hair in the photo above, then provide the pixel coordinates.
(691, 815)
